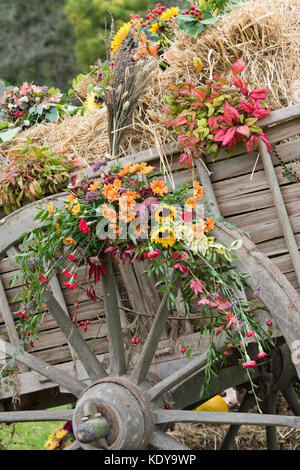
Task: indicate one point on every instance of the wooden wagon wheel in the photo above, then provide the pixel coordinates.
(125, 409)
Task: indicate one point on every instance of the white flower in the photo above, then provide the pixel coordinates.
(26, 123)
(24, 99)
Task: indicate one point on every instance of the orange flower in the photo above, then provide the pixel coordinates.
(117, 183)
(70, 198)
(94, 186)
(159, 187)
(76, 209)
(198, 190)
(109, 213)
(134, 168)
(146, 169)
(190, 201)
(210, 224)
(51, 208)
(110, 193)
(145, 47)
(125, 170)
(199, 229)
(131, 196)
(58, 227)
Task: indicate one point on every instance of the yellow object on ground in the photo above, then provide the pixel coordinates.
(214, 404)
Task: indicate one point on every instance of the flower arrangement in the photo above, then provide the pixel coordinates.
(30, 103)
(218, 114)
(130, 214)
(61, 437)
(32, 173)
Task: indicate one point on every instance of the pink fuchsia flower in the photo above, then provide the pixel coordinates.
(208, 302)
(196, 286)
(249, 333)
(261, 355)
(83, 226)
(249, 364)
(43, 278)
(239, 66)
(71, 257)
(151, 254)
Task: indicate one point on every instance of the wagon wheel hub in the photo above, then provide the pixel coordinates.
(112, 414)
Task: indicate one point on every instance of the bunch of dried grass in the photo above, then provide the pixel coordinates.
(210, 437)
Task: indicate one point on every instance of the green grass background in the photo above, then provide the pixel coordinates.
(28, 436)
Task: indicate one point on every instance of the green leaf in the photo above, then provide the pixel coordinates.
(10, 134)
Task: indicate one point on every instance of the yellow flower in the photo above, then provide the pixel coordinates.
(53, 445)
(169, 13)
(94, 186)
(76, 209)
(91, 103)
(121, 34)
(164, 235)
(69, 241)
(164, 213)
(51, 208)
(61, 434)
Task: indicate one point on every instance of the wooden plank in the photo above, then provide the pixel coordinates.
(280, 115)
(52, 373)
(258, 200)
(281, 208)
(277, 246)
(33, 416)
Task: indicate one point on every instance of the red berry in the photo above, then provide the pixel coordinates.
(192, 13)
(144, 25)
(147, 17)
(107, 339)
(149, 11)
(163, 8)
(159, 12)
(85, 328)
(182, 349)
(87, 322)
(167, 407)
(81, 323)
(193, 7)
(269, 323)
(133, 340)
(137, 340)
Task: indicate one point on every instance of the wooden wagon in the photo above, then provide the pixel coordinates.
(121, 408)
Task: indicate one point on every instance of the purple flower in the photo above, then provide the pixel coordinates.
(32, 262)
(92, 196)
(68, 426)
(97, 165)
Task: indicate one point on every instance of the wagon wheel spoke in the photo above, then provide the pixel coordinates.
(71, 384)
(216, 417)
(40, 415)
(292, 399)
(142, 367)
(270, 408)
(228, 440)
(163, 441)
(113, 321)
(90, 362)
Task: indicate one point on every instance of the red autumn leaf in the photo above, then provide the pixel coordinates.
(259, 94)
(220, 134)
(239, 82)
(230, 114)
(246, 106)
(201, 94)
(239, 66)
(243, 130)
(264, 138)
(229, 136)
(252, 144)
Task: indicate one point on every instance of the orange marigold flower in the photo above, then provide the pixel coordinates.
(131, 195)
(117, 183)
(109, 213)
(146, 170)
(76, 209)
(198, 190)
(110, 193)
(190, 201)
(134, 168)
(210, 224)
(94, 186)
(159, 187)
(71, 198)
(125, 170)
(51, 208)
